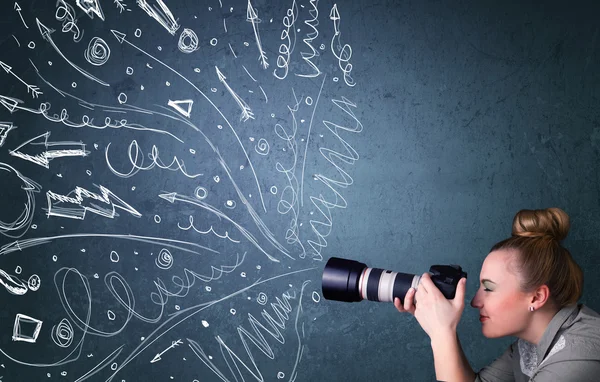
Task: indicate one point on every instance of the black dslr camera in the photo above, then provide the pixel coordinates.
(351, 281)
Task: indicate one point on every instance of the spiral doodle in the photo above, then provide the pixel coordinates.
(97, 52)
(262, 298)
(262, 147)
(164, 259)
(62, 334)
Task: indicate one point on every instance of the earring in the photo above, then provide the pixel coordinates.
(531, 308)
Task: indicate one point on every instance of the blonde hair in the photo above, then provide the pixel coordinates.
(540, 258)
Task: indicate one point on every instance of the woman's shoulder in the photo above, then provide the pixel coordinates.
(580, 334)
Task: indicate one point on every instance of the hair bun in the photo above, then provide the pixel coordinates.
(552, 222)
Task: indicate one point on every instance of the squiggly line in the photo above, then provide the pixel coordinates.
(135, 155)
(286, 49)
(66, 14)
(191, 219)
(185, 314)
(321, 203)
(288, 201)
(345, 51)
(307, 57)
(12, 104)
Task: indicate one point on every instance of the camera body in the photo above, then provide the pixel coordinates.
(352, 281)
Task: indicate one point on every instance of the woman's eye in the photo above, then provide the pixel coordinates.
(487, 290)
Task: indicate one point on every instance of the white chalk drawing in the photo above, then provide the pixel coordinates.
(342, 53)
(162, 14)
(26, 328)
(91, 8)
(98, 52)
(189, 176)
(35, 91)
(287, 47)
(252, 17)
(310, 37)
(164, 260)
(5, 128)
(18, 9)
(188, 41)
(191, 225)
(121, 6)
(62, 334)
(34, 283)
(121, 38)
(12, 284)
(246, 111)
(51, 150)
(75, 207)
(136, 160)
(66, 14)
(182, 106)
(21, 224)
(46, 35)
(157, 357)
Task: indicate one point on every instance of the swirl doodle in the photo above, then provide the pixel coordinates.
(262, 298)
(262, 147)
(62, 334)
(97, 52)
(164, 260)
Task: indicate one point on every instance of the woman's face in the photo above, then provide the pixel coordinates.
(499, 297)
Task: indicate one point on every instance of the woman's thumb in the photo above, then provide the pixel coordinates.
(461, 290)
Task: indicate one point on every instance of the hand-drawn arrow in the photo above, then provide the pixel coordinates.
(252, 17)
(59, 150)
(47, 35)
(73, 207)
(173, 344)
(246, 111)
(35, 91)
(18, 9)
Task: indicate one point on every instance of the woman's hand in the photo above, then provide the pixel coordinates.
(435, 313)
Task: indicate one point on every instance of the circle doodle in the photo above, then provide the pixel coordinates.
(97, 52)
(188, 41)
(62, 334)
(262, 298)
(164, 259)
(34, 282)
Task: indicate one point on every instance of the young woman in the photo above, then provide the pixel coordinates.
(529, 289)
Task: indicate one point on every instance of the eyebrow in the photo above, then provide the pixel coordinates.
(483, 280)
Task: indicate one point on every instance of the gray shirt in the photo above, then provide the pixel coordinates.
(568, 351)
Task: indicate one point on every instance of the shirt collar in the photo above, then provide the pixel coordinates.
(553, 327)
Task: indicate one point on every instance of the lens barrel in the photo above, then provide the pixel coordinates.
(352, 281)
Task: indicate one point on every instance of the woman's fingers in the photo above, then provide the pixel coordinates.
(408, 302)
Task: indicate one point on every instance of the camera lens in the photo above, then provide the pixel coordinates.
(341, 278)
(350, 281)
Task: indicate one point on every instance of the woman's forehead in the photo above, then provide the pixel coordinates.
(496, 266)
